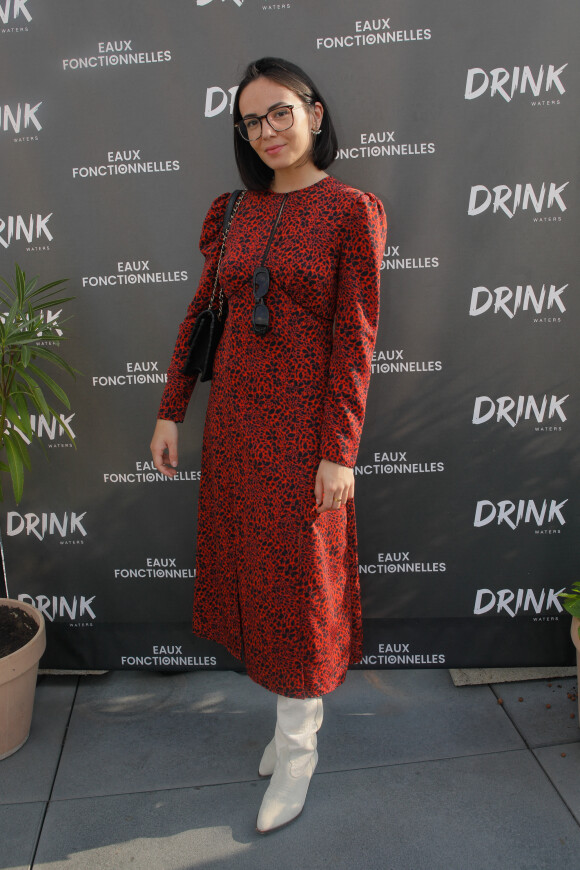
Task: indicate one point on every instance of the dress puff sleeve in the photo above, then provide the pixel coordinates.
(355, 330)
(179, 387)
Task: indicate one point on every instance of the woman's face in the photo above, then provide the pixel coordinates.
(284, 149)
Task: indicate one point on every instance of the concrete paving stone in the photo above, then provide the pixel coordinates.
(134, 731)
(562, 764)
(540, 724)
(19, 828)
(137, 731)
(482, 813)
(29, 773)
(479, 676)
(387, 717)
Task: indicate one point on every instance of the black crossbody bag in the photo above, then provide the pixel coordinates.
(209, 325)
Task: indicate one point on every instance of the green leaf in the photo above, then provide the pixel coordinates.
(26, 355)
(48, 286)
(51, 384)
(573, 607)
(61, 422)
(571, 600)
(20, 422)
(20, 284)
(45, 296)
(12, 314)
(4, 281)
(36, 395)
(21, 406)
(40, 402)
(16, 467)
(56, 359)
(31, 285)
(22, 448)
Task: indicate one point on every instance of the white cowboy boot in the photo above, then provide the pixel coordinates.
(295, 738)
(268, 762)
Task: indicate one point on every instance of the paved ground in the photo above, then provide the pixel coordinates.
(159, 772)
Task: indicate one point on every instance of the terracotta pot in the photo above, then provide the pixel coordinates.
(576, 641)
(18, 673)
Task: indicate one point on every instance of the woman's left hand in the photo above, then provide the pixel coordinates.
(334, 486)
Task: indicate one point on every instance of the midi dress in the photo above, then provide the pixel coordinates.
(277, 583)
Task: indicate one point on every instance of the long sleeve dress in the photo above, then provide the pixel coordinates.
(277, 584)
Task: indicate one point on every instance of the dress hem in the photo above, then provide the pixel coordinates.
(276, 690)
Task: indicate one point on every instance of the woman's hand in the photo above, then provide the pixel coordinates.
(334, 485)
(164, 447)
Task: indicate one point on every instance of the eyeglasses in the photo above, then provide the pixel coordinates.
(260, 314)
(280, 118)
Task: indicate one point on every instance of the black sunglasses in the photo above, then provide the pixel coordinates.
(260, 314)
(261, 283)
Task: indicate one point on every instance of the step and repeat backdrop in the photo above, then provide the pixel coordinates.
(116, 135)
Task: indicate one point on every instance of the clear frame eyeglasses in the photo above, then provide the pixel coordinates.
(281, 118)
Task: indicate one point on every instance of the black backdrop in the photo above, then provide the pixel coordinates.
(115, 136)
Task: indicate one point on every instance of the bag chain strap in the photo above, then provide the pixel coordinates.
(216, 279)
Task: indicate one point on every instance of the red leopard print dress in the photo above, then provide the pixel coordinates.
(277, 584)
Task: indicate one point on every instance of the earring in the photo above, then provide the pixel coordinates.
(317, 132)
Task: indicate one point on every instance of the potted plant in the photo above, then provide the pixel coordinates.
(27, 339)
(571, 602)
(23, 641)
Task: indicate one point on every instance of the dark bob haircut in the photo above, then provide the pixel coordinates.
(253, 171)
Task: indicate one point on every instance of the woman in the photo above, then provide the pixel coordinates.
(277, 575)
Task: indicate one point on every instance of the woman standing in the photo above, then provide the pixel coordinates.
(277, 574)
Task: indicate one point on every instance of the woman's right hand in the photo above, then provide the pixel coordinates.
(164, 447)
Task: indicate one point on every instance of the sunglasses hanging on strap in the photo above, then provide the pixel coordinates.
(209, 325)
(261, 283)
